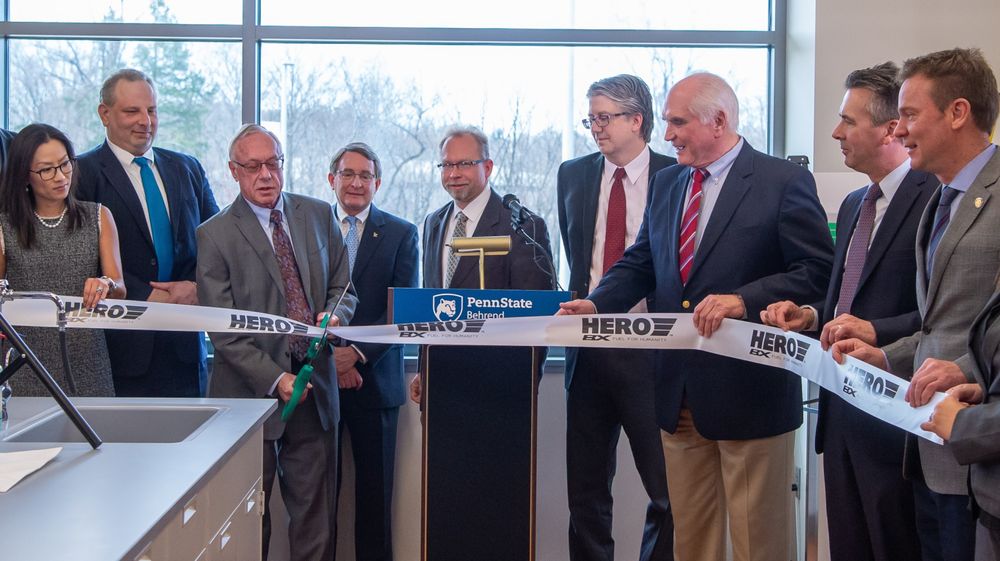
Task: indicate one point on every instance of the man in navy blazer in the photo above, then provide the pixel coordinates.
(754, 233)
(610, 389)
(158, 268)
(382, 251)
(869, 506)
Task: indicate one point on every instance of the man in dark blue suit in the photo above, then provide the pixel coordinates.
(600, 211)
(724, 235)
(382, 251)
(869, 506)
(158, 197)
(465, 172)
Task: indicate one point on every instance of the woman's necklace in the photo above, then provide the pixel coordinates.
(58, 219)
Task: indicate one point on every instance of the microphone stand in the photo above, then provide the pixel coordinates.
(27, 356)
(517, 223)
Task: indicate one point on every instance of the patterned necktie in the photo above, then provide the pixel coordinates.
(614, 231)
(689, 226)
(941, 218)
(295, 296)
(159, 221)
(857, 252)
(352, 240)
(460, 220)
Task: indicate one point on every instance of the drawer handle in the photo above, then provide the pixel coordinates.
(226, 536)
(190, 510)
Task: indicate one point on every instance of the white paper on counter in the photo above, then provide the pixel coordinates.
(15, 466)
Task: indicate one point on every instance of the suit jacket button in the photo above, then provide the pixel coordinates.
(152, 262)
(926, 330)
(686, 304)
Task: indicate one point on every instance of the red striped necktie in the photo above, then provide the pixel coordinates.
(689, 226)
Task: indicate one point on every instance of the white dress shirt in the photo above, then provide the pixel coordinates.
(133, 171)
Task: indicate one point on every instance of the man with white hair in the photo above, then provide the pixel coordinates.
(727, 232)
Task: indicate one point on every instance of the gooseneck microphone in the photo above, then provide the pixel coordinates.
(511, 203)
(519, 215)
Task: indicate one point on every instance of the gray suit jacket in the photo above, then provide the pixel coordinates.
(237, 269)
(949, 298)
(975, 438)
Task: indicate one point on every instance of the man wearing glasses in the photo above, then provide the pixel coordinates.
(382, 251)
(157, 197)
(602, 197)
(476, 210)
(280, 253)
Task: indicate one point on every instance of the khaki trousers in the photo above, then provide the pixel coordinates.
(748, 480)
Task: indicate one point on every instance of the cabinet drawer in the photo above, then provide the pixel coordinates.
(231, 483)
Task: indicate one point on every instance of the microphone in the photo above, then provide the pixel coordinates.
(517, 211)
(518, 214)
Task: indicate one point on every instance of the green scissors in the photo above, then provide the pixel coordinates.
(305, 373)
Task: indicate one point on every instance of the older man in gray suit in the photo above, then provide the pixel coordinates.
(279, 254)
(948, 105)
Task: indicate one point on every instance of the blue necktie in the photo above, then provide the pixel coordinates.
(159, 221)
(352, 240)
(941, 218)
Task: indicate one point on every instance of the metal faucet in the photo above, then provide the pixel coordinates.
(6, 294)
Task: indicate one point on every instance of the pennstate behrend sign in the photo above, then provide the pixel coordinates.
(411, 305)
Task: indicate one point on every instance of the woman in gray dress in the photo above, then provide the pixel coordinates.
(53, 243)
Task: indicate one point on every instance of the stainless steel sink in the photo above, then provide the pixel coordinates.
(120, 423)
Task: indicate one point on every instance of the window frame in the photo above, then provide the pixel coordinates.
(251, 35)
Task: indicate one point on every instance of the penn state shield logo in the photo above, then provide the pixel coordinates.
(447, 307)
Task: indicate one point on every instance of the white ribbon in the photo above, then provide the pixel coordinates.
(870, 389)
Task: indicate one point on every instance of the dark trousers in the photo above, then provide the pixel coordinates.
(611, 390)
(373, 446)
(869, 505)
(167, 375)
(300, 460)
(946, 525)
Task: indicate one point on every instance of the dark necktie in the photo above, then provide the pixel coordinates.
(941, 218)
(614, 230)
(159, 221)
(689, 226)
(857, 252)
(295, 297)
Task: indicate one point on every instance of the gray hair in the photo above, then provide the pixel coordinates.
(632, 94)
(127, 74)
(713, 96)
(358, 148)
(245, 131)
(881, 80)
(468, 130)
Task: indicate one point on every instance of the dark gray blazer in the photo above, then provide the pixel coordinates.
(237, 269)
(578, 188)
(963, 279)
(975, 438)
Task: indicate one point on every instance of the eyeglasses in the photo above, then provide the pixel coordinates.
(49, 173)
(464, 164)
(348, 175)
(601, 119)
(271, 165)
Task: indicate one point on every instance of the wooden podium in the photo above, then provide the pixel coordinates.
(479, 416)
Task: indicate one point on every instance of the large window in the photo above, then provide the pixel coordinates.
(395, 74)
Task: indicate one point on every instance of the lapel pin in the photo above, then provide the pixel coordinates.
(979, 202)
(375, 234)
